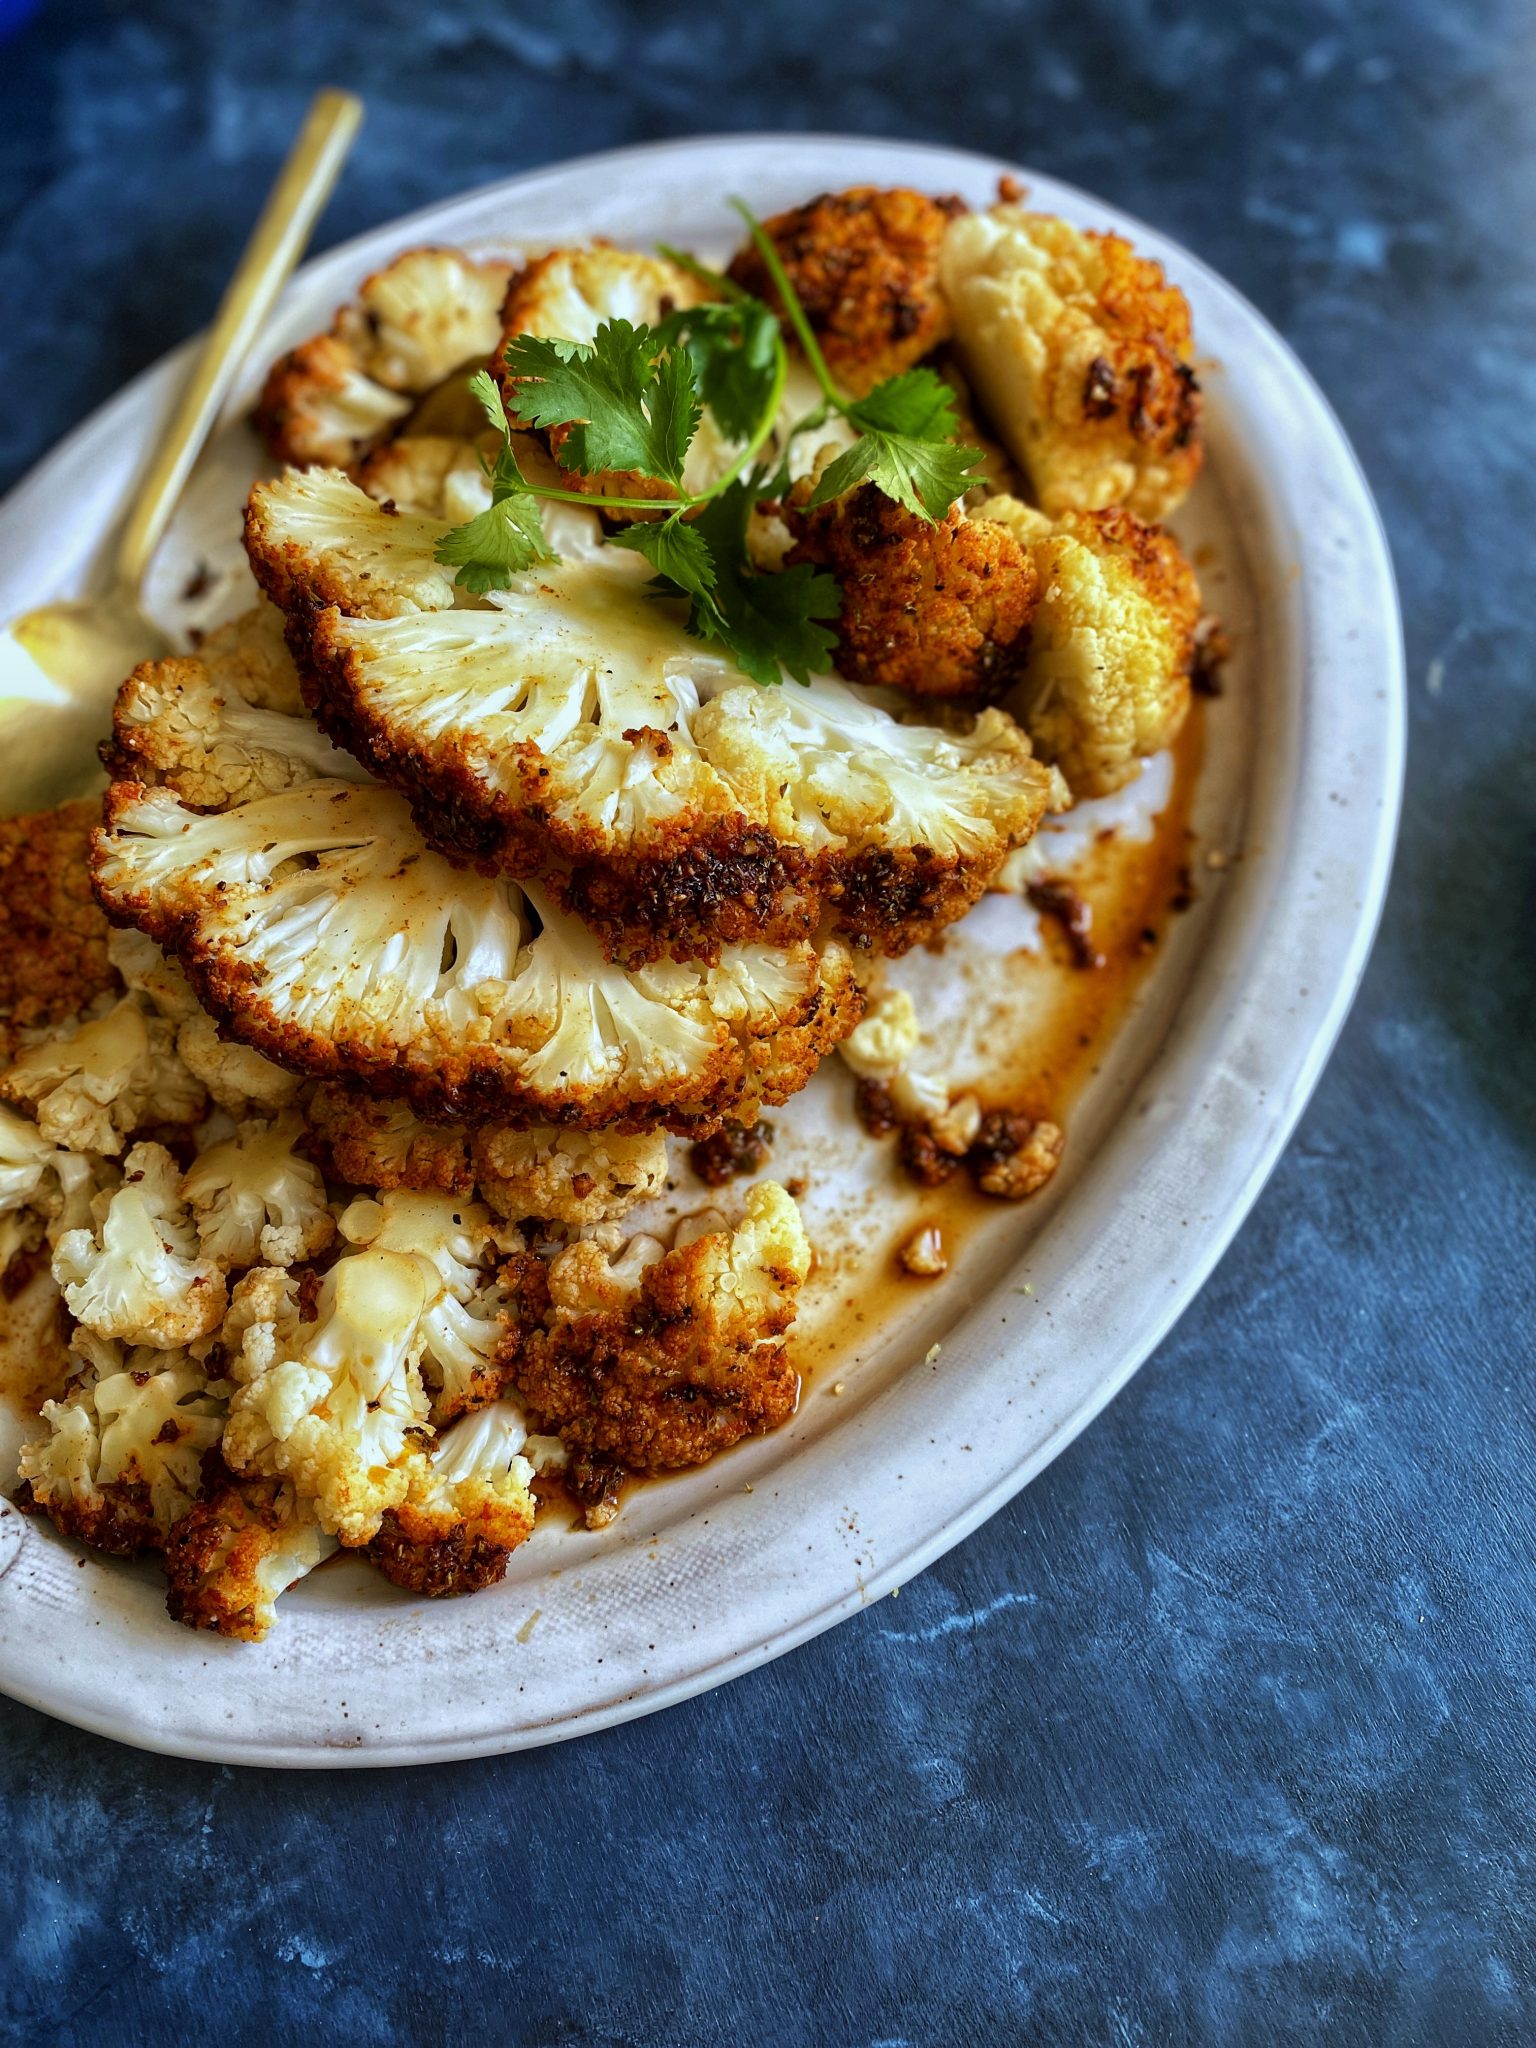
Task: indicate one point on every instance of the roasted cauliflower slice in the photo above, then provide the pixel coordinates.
(237, 1548)
(120, 1461)
(321, 930)
(426, 314)
(1081, 352)
(467, 1510)
(334, 1404)
(255, 1200)
(662, 1358)
(314, 538)
(865, 266)
(572, 726)
(940, 609)
(1106, 678)
(139, 1276)
(90, 1087)
(53, 937)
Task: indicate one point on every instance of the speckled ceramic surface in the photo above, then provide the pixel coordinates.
(709, 1574)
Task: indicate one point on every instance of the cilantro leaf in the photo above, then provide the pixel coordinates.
(488, 550)
(734, 349)
(906, 447)
(628, 405)
(769, 622)
(677, 551)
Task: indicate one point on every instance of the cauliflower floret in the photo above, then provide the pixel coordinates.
(436, 473)
(428, 313)
(121, 1461)
(146, 971)
(238, 1079)
(249, 656)
(53, 937)
(462, 1319)
(335, 1405)
(942, 610)
(253, 1199)
(313, 538)
(25, 1157)
(376, 1143)
(92, 1086)
(318, 926)
(571, 1177)
(44, 1191)
(138, 1276)
(466, 1511)
(235, 1551)
(666, 1357)
(175, 725)
(865, 266)
(884, 1043)
(1081, 351)
(1106, 680)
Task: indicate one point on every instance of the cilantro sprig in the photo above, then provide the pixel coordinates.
(631, 402)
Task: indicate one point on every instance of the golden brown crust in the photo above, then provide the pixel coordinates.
(354, 1135)
(53, 937)
(1147, 382)
(865, 264)
(213, 1552)
(941, 610)
(120, 1520)
(443, 1567)
(645, 1385)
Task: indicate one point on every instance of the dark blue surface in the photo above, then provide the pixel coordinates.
(1223, 1731)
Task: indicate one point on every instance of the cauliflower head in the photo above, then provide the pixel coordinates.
(467, 1510)
(235, 1550)
(1081, 352)
(1106, 680)
(865, 266)
(90, 1087)
(139, 1275)
(334, 1405)
(254, 1200)
(121, 1460)
(942, 610)
(318, 926)
(662, 1358)
(426, 314)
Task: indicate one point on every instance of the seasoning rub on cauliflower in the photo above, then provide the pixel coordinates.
(240, 1545)
(467, 1510)
(572, 721)
(1080, 350)
(323, 931)
(428, 313)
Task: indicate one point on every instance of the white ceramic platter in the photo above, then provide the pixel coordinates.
(708, 1574)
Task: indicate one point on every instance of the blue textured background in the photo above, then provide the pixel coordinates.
(1223, 1731)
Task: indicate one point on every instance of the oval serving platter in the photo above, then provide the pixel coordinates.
(708, 1574)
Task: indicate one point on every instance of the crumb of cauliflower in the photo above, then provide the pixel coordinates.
(53, 938)
(121, 1459)
(865, 266)
(92, 1085)
(235, 1550)
(334, 1404)
(425, 315)
(468, 1508)
(253, 1198)
(1106, 678)
(662, 1358)
(1081, 351)
(942, 610)
(139, 1275)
